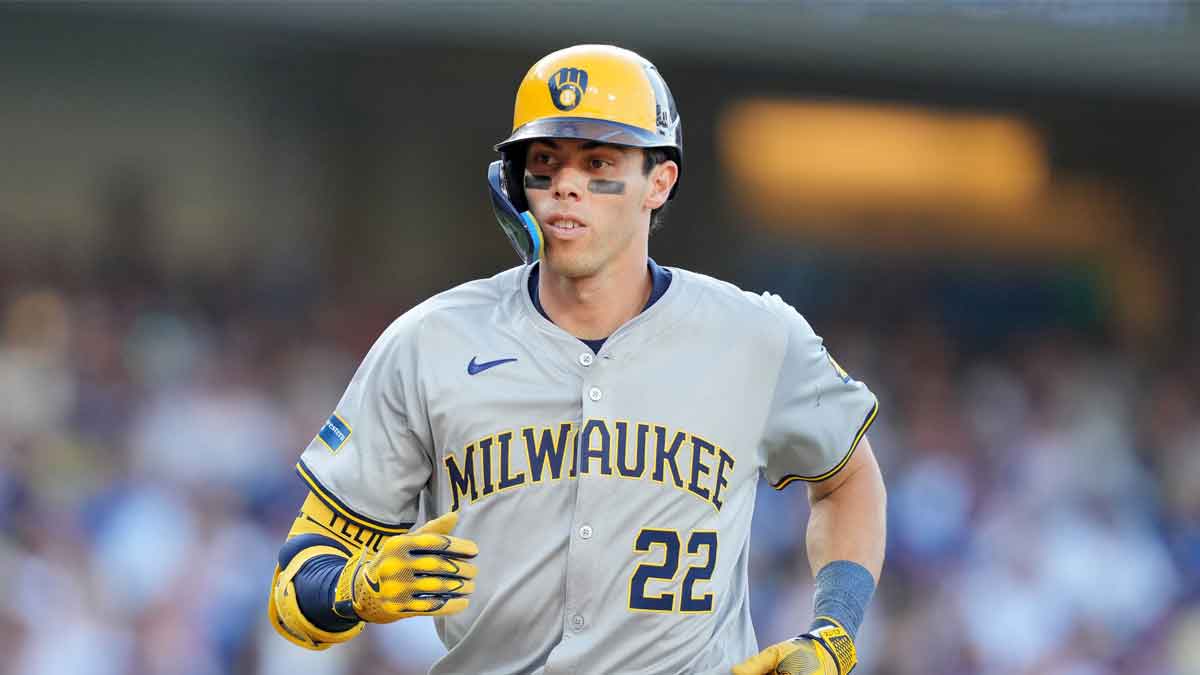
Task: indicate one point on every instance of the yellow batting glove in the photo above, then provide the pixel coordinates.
(828, 650)
(421, 573)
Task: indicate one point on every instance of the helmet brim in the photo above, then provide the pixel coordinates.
(587, 129)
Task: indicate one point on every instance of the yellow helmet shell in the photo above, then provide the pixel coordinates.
(596, 92)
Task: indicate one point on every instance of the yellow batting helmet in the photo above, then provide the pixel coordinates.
(586, 92)
(596, 93)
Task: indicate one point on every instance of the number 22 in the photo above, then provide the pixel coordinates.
(669, 541)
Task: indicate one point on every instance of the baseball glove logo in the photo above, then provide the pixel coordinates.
(567, 87)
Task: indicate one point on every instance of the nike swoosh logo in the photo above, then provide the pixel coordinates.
(476, 368)
(373, 584)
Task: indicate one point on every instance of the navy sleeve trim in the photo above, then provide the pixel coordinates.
(862, 431)
(337, 505)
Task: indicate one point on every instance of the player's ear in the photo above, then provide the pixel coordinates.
(662, 179)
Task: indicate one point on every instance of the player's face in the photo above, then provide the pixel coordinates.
(593, 202)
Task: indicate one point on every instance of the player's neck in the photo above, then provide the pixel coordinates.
(594, 307)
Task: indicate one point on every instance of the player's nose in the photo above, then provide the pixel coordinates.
(568, 183)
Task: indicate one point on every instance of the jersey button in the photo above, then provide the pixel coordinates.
(595, 394)
(585, 532)
(586, 359)
(577, 622)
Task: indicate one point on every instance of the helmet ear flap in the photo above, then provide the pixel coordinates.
(512, 170)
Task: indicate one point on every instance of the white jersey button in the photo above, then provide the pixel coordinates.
(585, 532)
(595, 394)
(586, 359)
(577, 622)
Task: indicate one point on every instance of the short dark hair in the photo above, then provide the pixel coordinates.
(654, 157)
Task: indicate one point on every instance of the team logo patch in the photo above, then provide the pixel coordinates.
(567, 87)
(837, 367)
(335, 432)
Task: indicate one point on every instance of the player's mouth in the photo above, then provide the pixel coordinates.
(564, 227)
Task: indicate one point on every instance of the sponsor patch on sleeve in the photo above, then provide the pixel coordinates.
(335, 432)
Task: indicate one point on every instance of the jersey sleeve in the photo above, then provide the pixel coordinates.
(371, 459)
(818, 413)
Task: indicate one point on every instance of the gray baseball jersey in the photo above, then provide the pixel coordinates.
(610, 494)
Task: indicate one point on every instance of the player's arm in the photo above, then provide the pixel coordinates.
(845, 541)
(333, 575)
(350, 557)
(848, 520)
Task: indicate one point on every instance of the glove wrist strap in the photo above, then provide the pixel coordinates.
(834, 639)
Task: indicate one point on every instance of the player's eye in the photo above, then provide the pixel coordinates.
(542, 158)
(597, 163)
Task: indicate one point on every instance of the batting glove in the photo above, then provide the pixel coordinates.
(827, 650)
(421, 573)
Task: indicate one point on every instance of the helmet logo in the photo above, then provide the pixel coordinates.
(567, 87)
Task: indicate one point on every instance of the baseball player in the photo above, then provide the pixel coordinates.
(586, 431)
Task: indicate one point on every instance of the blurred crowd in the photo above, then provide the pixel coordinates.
(1044, 500)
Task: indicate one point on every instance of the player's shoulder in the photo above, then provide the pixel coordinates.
(732, 299)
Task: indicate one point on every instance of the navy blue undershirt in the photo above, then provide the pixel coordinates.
(660, 280)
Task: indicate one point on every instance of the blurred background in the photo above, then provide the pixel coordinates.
(208, 212)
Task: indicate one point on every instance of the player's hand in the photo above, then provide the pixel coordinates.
(828, 650)
(419, 573)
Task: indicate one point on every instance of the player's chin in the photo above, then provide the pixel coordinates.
(572, 264)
